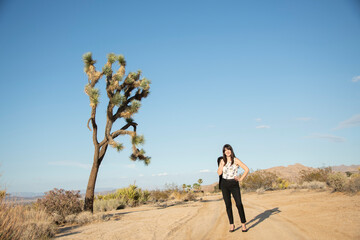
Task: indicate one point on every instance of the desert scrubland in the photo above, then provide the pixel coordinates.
(285, 214)
(294, 202)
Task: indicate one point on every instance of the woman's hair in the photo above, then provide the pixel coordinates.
(227, 146)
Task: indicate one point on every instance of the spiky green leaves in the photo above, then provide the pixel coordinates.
(130, 78)
(145, 84)
(138, 140)
(118, 99)
(107, 70)
(140, 154)
(129, 120)
(111, 57)
(88, 61)
(121, 60)
(117, 77)
(94, 95)
(119, 147)
(134, 107)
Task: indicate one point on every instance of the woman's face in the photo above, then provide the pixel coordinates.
(227, 152)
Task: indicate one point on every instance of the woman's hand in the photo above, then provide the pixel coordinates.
(236, 178)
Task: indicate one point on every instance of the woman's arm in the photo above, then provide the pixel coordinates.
(220, 169)
(243, 166)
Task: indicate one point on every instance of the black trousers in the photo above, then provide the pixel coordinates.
(229, 187)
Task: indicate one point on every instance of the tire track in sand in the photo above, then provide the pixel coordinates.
(210, 222)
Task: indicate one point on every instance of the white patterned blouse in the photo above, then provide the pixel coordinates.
(230, 171)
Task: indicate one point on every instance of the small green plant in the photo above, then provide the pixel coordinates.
(282, 183)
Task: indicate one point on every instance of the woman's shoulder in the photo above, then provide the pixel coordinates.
(237, 161)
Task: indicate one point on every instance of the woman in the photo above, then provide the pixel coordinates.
(230, 184)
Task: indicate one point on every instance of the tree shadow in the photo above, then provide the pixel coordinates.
(262, 216)
(65, 231)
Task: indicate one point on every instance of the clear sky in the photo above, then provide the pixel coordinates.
(278, 80)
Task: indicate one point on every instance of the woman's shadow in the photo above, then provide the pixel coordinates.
(262, 216)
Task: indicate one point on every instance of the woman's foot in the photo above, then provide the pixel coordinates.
(232, 228)
(244, 229)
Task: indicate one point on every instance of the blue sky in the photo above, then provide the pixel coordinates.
(278, 80)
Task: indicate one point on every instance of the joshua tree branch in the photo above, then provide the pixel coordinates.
(94, 126)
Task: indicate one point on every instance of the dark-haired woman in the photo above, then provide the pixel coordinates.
(228, 168)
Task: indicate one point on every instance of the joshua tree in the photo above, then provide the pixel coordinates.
(200, 181)
(125, 94)
(196, 186)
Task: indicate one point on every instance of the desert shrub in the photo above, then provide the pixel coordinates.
(337, 181)
(308, 185)
(354, 183)
(84, 217)
(314, 185)
(108, 205)
(216, 188)
(259, 179)
(319, 175)
(189, 196)
(260, 190)
(21, 223)
(60, 203)
(282, 183)
(158, 195)
(2, 194)
(70, 218)
(131, 196)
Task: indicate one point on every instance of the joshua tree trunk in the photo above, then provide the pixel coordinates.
(90, 190)
(120, 95)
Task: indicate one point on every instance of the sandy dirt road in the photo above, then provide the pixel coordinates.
(284, 214)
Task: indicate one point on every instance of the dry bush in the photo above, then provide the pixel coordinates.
(87, 217)
(314, 185)
(260, 190)
(108, 205)
(177, 195)
(84, 217)
(319, 175)
(309, 185)
(354, 183)
(158, 195)
(337, 181)
(2, 194)
(190, 196)
(20, 222)
(60, 203)
(216, 188)
(259, 179)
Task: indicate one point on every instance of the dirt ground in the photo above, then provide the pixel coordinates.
(287, 214)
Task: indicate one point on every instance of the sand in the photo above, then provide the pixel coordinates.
(286, 214)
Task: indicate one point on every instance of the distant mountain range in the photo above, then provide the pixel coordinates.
(290, 172)
(35, 195)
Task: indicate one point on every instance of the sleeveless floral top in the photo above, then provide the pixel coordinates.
(230, 171)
